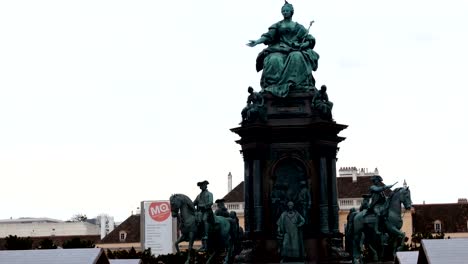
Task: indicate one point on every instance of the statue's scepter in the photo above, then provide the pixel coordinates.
(307, 33)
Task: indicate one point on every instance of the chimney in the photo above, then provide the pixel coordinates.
(229, 182)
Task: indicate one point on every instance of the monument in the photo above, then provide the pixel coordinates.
(289, 143)
(376, 226)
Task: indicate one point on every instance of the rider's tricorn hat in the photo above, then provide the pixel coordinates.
(376, 178)
(220, 201)
(202, 183)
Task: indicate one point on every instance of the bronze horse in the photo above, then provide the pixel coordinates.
(363, 227)
(221, 231)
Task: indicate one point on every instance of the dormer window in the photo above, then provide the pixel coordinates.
(437, 226)
(122, 236)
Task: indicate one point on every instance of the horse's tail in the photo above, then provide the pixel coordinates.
(349, 233)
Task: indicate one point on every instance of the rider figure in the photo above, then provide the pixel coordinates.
(203, 203)
(222, 210)
(365, 202)
(378, 199)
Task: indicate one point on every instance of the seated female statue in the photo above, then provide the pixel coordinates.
(289, 59)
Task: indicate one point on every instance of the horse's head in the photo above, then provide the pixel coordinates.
(180, 202)
(405, 197)
(175, 204)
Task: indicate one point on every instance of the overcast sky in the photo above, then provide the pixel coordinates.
(104, 104)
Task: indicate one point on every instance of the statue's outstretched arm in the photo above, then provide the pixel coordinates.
(253, 43)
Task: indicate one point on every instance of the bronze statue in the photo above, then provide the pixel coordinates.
(378, 199)
(322, 104)
(255, 109)
(290, 238)
(304, 201)
(221, 238)
(237, 233)
(289, 59)
(278, 199)
(365, 202)
(203, 204)
(362, 226)
(221, 210)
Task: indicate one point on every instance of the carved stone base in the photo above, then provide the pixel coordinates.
(294, 150)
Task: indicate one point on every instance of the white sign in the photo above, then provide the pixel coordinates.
(158, 228)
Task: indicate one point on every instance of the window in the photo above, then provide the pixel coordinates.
(437, 226)
(122, 236)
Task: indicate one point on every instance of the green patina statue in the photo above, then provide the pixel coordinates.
(377, 224)
(221, 210)
(203, 204)
(378, 199)
(278, 199)
(255, 109)
(321, 103)
(222, 230)
(290, 238)
(289, 59)
(304, 201)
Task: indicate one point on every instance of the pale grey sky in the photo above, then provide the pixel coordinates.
(104, 104)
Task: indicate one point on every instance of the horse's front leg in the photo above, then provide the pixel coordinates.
(176, 244)
(357, 247)
(229, 252)
(191, 238)
(213, 254)
(400, 237)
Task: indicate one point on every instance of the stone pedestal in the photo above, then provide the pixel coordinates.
(293, 145)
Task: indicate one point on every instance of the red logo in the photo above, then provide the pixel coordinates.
(160, 211)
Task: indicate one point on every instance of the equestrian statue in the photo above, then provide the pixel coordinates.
(377, 226)
(198, 222)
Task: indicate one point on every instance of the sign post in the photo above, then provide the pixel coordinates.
(157, 227)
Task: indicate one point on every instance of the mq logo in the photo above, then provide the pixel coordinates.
(159, 211)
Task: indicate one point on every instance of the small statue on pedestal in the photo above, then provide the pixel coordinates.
(255, 109)
(321, 103)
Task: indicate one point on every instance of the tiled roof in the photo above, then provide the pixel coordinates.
(349, 189)
(54, 256)
(131, 226)
(406, 257)
(453, 217)
(444, 251)
(236, 195)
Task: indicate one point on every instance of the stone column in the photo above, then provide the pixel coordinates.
(323, 203)
(257, 193)
(247, 198)
(334, 219)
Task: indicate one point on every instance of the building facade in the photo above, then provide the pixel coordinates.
(45, 227)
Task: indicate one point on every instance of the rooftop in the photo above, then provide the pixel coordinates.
(54, 256)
